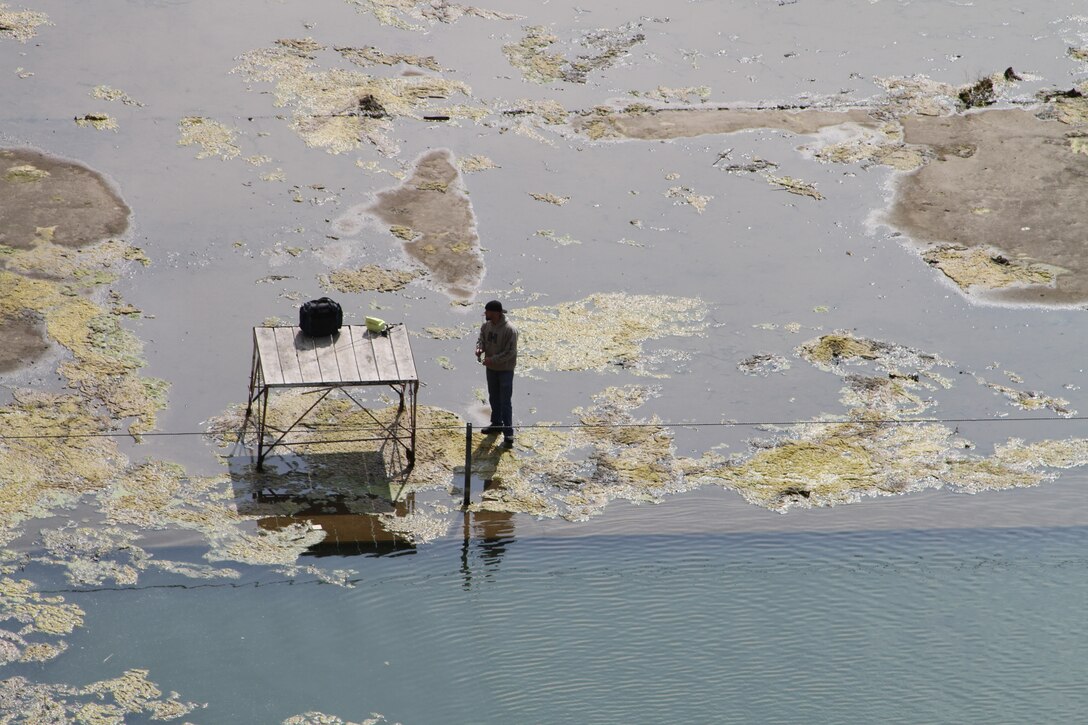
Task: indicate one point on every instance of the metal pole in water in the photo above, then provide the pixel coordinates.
(468, 464)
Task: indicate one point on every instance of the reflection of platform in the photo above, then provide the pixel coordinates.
(347, 532)
(285, 357)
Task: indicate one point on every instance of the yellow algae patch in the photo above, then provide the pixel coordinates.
(370, 278)
(905, 366)
(1030, 399)
(106, 93)
(604, 48)
(213, 137)
(402, 232)
(50, 456)
(341, 110)
(37, 613)
(107, 701)
(134, 693)
(549, 112)
(100, 121)
(794, 186)
(553, 337)
(530, 55)
(20, 24)
(303, 45)
(396, 12)
(25, 173)
(830, 469)
(446, 333)
(474, 164)
(683, 95)
(1052, 454)
(550, 198)
(159, 495)
(919, 95)
(320, 718)
(988, 268)
(371, 56)
(561, 239)
(832, 349)
(826, 463)
(269, 546)
(416, 527)
(684, 195)
(883, 146)
(1072, 111)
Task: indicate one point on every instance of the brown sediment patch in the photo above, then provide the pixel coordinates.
(657, 124)
(43, 192)
(1000, 205)
(433, 206)
(24, 342)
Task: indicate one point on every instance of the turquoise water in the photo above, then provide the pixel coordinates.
(979, 625)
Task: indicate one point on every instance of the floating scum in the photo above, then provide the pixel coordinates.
(340, 110)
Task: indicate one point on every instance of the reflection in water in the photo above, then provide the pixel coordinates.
(347, 533)
(347, 495)
(493, 531)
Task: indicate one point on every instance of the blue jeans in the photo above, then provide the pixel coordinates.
(500, 394)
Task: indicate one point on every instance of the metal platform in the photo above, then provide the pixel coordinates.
(285, 357)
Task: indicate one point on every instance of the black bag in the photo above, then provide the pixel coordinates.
(320, 317)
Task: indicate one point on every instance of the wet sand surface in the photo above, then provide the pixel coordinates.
(795, 273)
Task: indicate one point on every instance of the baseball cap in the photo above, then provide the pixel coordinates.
(494, 306)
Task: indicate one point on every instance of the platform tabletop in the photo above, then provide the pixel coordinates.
(352, 356)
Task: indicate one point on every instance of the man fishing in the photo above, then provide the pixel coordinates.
(497, 349)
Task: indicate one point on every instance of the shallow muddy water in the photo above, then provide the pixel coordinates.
(778, 459)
